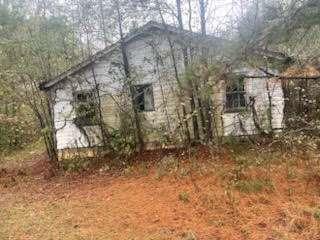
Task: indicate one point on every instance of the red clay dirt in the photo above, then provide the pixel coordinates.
(138, 204)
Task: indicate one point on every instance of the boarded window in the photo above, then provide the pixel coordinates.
(235, 94)
(143, 97)
(86, 108)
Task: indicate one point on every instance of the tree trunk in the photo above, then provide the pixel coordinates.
(202, 17)
(186, 63)
(206, 102)
(184, 111)
(103, 24)
(127, 75)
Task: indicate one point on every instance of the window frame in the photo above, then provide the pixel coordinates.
(84, 121)
(136, 104)
(238, 89)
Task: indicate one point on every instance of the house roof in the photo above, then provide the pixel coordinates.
(139, 31)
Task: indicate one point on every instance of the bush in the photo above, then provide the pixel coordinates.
(15, 133)
(76, 164)
(121, 144)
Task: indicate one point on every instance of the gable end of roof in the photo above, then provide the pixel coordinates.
(46, 85)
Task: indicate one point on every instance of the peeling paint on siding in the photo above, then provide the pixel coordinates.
(142, 61)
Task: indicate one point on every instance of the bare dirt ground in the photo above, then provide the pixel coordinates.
(194, 199)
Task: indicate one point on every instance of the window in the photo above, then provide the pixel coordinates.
(86, 108)
(235, 94)
(143, 97)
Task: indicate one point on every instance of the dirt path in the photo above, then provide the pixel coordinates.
(103, 206)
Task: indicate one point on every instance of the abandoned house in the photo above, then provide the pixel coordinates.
(94, 96)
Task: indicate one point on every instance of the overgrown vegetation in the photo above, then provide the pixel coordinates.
(16, 132)
(262, 184)
(268, 36)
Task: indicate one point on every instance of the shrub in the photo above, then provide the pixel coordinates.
(15, 133)
(121, 144)
(77, 164)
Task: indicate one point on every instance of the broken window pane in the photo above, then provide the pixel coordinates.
(143, 97)
(86, 108)
(235, 94)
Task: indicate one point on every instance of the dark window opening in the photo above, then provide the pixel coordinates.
(143, 97)
(86, 108)
(235, 95)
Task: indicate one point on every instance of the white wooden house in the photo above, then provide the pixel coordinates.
(154, 51)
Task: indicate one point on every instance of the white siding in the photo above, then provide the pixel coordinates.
(143, 64)
(257, 88)
(68, 135)
(109, 75)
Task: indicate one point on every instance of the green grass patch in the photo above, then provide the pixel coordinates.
(253, 186)
(184, 197)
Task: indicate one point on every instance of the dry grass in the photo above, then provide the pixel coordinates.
(19, 158)
(196, 198)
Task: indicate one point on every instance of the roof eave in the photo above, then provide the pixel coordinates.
(45, 86)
